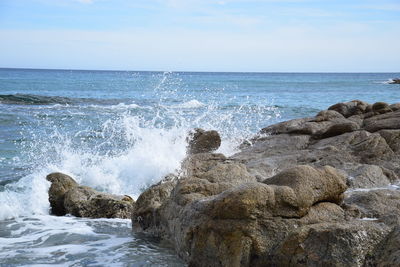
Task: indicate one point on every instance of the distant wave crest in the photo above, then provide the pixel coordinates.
(30, 99)
(190, 104)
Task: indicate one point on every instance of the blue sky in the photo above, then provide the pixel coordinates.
(202, 35)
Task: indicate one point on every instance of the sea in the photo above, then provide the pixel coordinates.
(120, 132)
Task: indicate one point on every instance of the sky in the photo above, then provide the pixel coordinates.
(202, 35)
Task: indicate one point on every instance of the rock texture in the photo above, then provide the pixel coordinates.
(315, 191)
(201, 141)
(67, 197)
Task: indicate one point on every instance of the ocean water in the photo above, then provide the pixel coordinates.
(121, 131)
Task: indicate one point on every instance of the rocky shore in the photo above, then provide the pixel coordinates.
(318, 191)
(67, 197)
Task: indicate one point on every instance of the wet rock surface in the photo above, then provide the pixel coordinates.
(317, 191)
(68, 197)
(201, 141)
(395, 81)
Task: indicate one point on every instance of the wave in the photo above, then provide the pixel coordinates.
(33, 99)
(149, 154)
(390, 81)
(190, 104)
(120, 106)
(30, 99)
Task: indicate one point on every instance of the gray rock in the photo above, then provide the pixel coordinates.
(392, 138)
(350, 108)
(395, 107)
(381, 107)
(379, 204)
(329, 244)
(339, 128)
(388, 252)
(385, 121)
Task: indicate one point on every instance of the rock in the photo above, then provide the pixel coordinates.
(379, 204)
(66, 196)
(297, 126)
(327, 115)
(381, 107)
(323, 212)
(60, 184)
(386, 121)
(146, 209)
(312, 185)
(329, 244)
(83, 201)
(339, 128)
(289, 194)
(392, 138)
(282, 200)
(395, 107)
(350, 108)
(201, 141)
(367, 176)
(208, 175)
(272, 154)
(388, 251)
(394, 81)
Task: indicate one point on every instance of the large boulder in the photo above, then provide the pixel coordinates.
(312, 185)
(145, 215)
(67, 197)
(378, 204)
(351, 108)
(366, 176)
(329, 244)
(216, 210)
(392, 138)
(388, 252)
(83, 201)
(60, 184)
(283, 200)
(390, 120)
(201, 141)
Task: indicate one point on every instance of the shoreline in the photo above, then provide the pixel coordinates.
(298, 183)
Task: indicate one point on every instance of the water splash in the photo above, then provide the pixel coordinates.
(127, 147)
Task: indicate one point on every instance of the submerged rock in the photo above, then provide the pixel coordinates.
(282, 200)
(67, 197)
(395, 81)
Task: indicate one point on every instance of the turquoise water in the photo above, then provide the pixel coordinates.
(120, 131)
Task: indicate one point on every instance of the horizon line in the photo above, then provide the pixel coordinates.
(191, 71)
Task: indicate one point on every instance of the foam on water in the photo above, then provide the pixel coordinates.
(67, 240)
(130, 152)
(149, 154)
(388, 187)
(190, 104)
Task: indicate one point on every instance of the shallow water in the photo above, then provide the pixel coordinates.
(119, 132)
